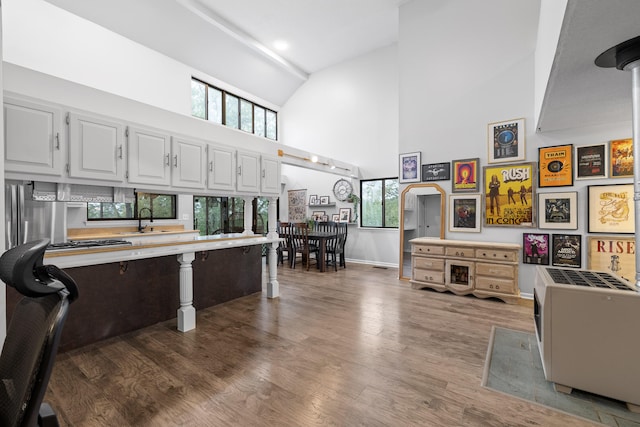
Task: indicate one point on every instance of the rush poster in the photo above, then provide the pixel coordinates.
(509, 192)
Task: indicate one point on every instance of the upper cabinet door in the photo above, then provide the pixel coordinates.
(221, 171)
(32, 138)
(270, 182)
(149, 156)
(188, 163)
(248, 172)
(96, 148)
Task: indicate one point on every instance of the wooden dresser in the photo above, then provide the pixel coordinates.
(483, 269)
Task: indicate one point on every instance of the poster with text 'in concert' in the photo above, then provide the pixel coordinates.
(509, 192)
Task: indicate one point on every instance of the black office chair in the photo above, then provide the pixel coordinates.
(33, 334)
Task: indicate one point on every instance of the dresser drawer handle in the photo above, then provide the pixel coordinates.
(459, 253)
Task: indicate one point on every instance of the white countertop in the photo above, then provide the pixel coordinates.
(106, 254)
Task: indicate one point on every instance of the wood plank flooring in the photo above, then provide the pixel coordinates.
(357, 347)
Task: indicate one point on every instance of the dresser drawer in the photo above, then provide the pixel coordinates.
(459, 252)
(428, 275)
(428, 249)
(428, 263)
(496, 270)
(497, 255)
(505, 286)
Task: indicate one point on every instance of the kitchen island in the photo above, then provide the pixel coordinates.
(125, 288)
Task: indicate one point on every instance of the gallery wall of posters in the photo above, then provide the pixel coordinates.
(509, 195)
(613, 254)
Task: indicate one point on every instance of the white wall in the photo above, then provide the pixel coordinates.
(350, 112)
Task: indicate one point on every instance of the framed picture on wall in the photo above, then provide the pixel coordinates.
(324, 200)
(465, 175)
(506, 141)
(345, 215)
(313, 200)
(335, 217)
(566, 250)
(591, 161)
(555, 166)
(410, 167)
(613, 254)
(610, 208)
(464, 212)
(509, 195)
(621, 157)
(558, 210)
(436, 172)
(535, 248)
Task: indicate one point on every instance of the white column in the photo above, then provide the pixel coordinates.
(273, 287)
(186, 312)
(248, 215)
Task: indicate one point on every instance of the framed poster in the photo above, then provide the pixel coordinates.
(506, 141)
(436, 172)
(297, 205)
(612, 254)
(509, 195)
(324, 200)
(566, 250)
(611, 208)
(558, 210)
(410, 167)
(621, 157)
(535, 248)
(591, 161)
(463, 213)
(465, 175)
(555, 166)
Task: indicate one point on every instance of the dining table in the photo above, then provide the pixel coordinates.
(320, 238)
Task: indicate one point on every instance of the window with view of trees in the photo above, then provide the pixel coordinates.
(222, 215)
(379, 203)
(218, 106)
(162, 206)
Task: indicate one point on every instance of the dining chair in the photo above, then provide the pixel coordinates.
(342, 233)
(300, 245)
(284, 231)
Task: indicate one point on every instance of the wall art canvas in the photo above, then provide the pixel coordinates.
(509, 195)
(506, 141)
(612, 254)
(621, 157)
(465, 175)
(591, 161)
(464, 213)
(611, 208)
(297, 205)
(566, 250)
(558, 210)
(436, 172)
(410, 167)
(535, 248)
(555, 166)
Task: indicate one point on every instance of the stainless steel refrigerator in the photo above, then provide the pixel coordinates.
(27, 219)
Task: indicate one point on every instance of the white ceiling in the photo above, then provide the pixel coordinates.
(233, 40)
(227, 40)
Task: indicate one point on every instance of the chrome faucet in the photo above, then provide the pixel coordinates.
(140, 227)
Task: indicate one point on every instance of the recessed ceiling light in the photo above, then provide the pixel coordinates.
(281, 45)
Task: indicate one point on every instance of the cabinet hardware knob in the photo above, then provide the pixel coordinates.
(120, 148)
(167, 159)
(211, 166)
(175, 161)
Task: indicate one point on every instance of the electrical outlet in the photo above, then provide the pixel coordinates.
(185, 217)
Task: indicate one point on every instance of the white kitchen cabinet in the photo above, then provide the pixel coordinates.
(96, 148)
(248, 170)
(270, 175)
(187, 163)
(221, 170)
(149, 156)
(32, 135)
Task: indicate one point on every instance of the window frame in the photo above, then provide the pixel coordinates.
(273, 136)
(136, 208)
(382, 206)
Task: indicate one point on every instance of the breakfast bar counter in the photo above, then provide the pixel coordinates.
(124, 288)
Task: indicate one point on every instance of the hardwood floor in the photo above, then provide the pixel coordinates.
(356, 347)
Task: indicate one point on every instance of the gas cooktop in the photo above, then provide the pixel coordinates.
(84, 244)
(595, 279)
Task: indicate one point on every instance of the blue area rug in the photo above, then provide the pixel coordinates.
(514, 367)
